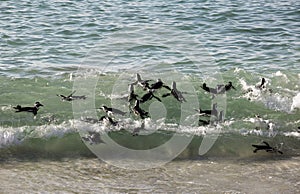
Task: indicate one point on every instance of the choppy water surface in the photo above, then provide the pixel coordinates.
(53, 35)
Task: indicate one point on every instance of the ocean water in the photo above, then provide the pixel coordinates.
(96, 49)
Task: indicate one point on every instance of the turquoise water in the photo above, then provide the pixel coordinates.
(96, 48)
(48, 37)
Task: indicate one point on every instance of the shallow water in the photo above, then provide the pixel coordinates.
(192, 176)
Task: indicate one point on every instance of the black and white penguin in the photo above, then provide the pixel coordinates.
(33, 109)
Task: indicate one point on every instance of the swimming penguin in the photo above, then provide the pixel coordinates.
(159, 84)
(267, 148)
(132, 96)
(109, 120)
(213, 111)
(93, 138)
(224, 88)
(176, 93)
(221, 116)
(138, 111)
(220, 89)
(262, 84)
(148, 96)
(111, 111)
(204, 122)
(33, 109)
(143, 83)
(208, 89)
(71, 97)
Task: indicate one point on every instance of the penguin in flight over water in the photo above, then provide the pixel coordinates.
(267, 148)
(33, 109)
(71, 97)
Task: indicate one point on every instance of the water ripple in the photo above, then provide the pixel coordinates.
(236, 34)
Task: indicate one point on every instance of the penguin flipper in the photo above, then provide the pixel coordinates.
(266, 143)
(167, 87)
(157, 98)
(71, 94)
(165, 95)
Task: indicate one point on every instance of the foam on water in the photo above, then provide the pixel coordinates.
(273, 104)
(296, 102)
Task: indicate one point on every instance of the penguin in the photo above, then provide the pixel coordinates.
(111, 111)
(138, 111)
(267, 148)
(175, 93)
(70, 97)
(33, 109)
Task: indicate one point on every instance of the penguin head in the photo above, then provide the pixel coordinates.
(38, 104)
(103, 107)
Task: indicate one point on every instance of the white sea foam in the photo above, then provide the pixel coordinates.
(277, 101)
(296, 102)
(284, 76)
(6, 107)
(8, 137)
(251, 92)
(292, 134)
(15, 135)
